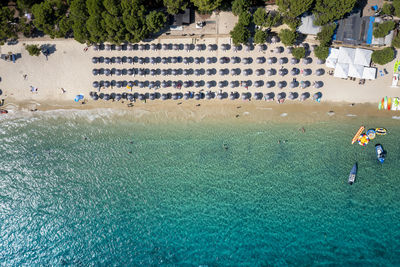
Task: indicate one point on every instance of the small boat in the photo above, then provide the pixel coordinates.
(380, 131)
(3, 111)
(353, 173)
(380, 153)
(355, 138)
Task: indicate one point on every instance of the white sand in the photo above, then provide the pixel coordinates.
(69, 67)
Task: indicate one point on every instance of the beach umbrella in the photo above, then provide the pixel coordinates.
(294, 71)
(248, 48)
(129, 47)
(258, 83)
(197, 84)
(281, 84)
(129, 60)
(107, 60)
(271, 72)
(118, 72)
(281, 95)
(317, 96)
(222, 60)
(199, 47)
(235, 60)
(164, 84)
(119, 84)
(258, 96)
(141, 60)
(95, 60)
(270, 84)
(153, 72)
(107, 47)
(118, 47)
(129, 97)
(174, 59)
(320, 61)
(175, 47)
(307, 60)
(96, 84)
(318, 84)
(262, 47)
(141, 97)
(95, 72)
(305, 45)
(130, 72)
(188, 47)
(223, 71)
(164, 97)
(186, 96)
(282, 72)
(291, 96)
(210, 47)
(304, 96)
(260, 60)
(164, 46)
(106, 97)
(130, 84)
(319, 72)
(164, 60)
(247, 72)
(278, 49)
(246, 96)
(141, 47)
(293, 84)
(234, 84)
(118, 97)
(153, 60)
(222, 84)
(210, 72)
(307, 72)
(197, 96)
(95, 97)
(95, 47)
(274, 39)
(208, 95)
(210, 84)
(153, 47)
(107, 84)
(289, 49)
(269, 96)
(107, 72)
(294, 60)
(232, 96)
(118, 60)
(187, 84)
(152, 96)
(260, 72)
(283, 60)
(271, 60)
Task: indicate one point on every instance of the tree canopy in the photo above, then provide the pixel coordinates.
(48, 16)
(387, 9)
(288, 37)
(240, 34)
(383, 29)
(155, 21)
(294, 8)
(325, 35)
(7, 28)
(396, 41)
(321, 52)
(260, 36)
(239, 6)
(33, 50)
(299, 52)
(174, 6)
(205, 6)
(260, 17)
(245, 18)
(383, 56)
(329, 10)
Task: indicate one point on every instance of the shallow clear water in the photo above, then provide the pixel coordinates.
(79, 188)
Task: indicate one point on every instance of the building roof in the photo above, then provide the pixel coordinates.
(182, 18)
(355, 71)
(369, 73)
(353, 29)
(341, 70)
(362, 57)
(307, 25)
(346, 55)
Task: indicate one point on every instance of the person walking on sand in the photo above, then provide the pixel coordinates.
(63, 90)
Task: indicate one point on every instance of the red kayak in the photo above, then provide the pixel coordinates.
(3, 111)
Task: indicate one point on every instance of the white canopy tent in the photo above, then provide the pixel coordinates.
(341, 70)
(362, 57)
(369, 73)
(332, 58)
(356, 71)
(346, 55)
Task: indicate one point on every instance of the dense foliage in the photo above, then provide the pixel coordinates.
(288, 37)
(299, 52)
(260, 17)
(240, 34)
(382, 29)
(294, 8)
(33, 50)
(321, 52)
(396, 41)
(260, 37)
(383, 56)
(174, 6)
(240, 6)
(330, 10)
(387, 9)
(325, 35)
(7, 29)
(396, 6)
(206, 6)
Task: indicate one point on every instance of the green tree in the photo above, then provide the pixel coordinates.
(260, 36)
(299, 52)
(155, 21)
(240, 34)
(383, 29)
(396, 6)
(396, 41)
(95, 24)
(205, 6)
(26, 5)
(273, 19)
(260, 17)
(383, 56)
(325, 35)
(79, 15)
(135, 21)
(294, 8)
(7, 28)
(293, 23)
(245, 18)
(240, 6)
(321, 52)
(47, 16)
(175, 6)
(33, 50)
(329, 10)
(288, 37)
(387, 9)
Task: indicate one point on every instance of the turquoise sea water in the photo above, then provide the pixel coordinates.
(82, 189)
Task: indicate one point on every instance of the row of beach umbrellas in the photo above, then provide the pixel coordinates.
(209, 72)
(184, 47)
(204, 95)
(200, 60)
(209, 84)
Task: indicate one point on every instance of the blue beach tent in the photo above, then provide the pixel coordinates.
(78, 97)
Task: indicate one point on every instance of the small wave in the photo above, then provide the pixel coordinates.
(284, 114)
(351, 115)
(396, 117)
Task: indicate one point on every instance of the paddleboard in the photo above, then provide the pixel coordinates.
(381, 131)
(389, 105)
(380, 105)
(371, 134)
(385, 103)
(358, 133)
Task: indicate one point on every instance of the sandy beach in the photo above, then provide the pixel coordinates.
(69, 68)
